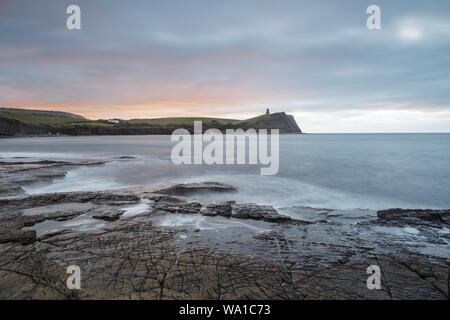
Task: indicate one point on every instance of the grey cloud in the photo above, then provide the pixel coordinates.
(293, 52)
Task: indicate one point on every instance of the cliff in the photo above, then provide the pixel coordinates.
(280, 120)
(12, 127)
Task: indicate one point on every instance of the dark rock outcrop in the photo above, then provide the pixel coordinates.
(228, 209)
(108, 215)
(11, 127)
(16, 235)
(190, 188)
(425, 217)
(257, 212)
(224, 209)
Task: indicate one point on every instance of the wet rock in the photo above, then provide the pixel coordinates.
(159, 198)
(128, 258)
(108, 215)
(177, 206)
(54, 233)
(108, 198)
(60, 216)
(189, 207)
(417, 217)
(7, 189)
(28, 170)
(133, 258)
(190, 188)
(223, 209)
(21, 236)
(257, 212)
(267, 236)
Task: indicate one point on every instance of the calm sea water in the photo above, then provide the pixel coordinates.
(341, 171)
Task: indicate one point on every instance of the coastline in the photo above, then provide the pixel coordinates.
(113, 135)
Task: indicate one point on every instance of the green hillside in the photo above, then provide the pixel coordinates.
(31, 122)
(41, 113)
(179, 121)
(190, 121)
(55, 121)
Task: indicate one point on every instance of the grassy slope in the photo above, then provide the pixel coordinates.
(32, 119)
(178, 121)
(190, 121)
(57, 121)
(184, 121)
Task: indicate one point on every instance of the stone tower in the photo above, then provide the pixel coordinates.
(267, 112)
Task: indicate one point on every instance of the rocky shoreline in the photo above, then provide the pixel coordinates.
(166, 242)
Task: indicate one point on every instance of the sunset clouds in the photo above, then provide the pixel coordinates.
(315, 59)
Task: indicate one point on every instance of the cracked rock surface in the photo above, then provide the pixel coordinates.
(160, 242)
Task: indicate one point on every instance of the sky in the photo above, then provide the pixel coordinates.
(316, 60)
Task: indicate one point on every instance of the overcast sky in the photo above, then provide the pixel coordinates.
(314, 59)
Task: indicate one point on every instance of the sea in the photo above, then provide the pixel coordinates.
(336, 171)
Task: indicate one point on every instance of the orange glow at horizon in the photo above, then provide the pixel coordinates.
(208, 99)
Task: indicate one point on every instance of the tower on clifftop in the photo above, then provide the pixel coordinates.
(267, 112)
